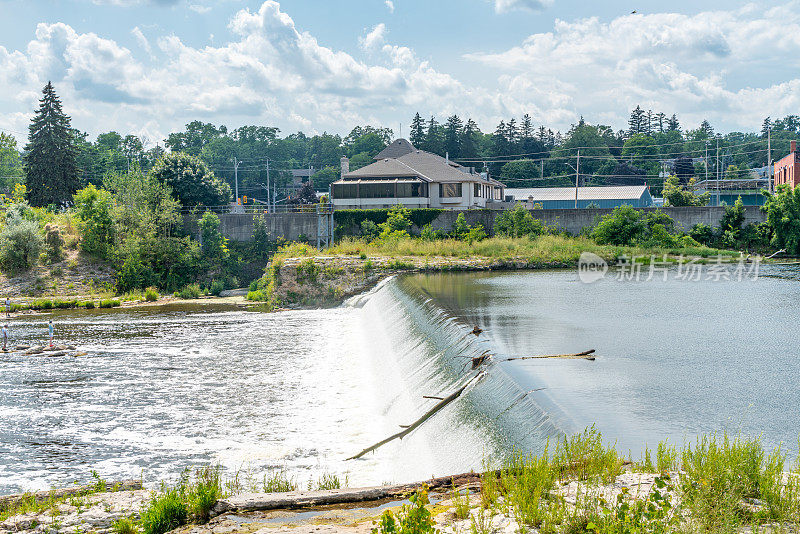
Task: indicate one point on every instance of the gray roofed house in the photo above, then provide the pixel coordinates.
(637, 196)
(414, 178)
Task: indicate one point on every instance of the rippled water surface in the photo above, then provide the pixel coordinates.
(164, 388)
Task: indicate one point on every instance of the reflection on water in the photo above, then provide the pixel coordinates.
(163, 388)
(675, 358)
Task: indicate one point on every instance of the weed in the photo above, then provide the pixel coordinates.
(191, 291)
(151, 294)
(412, 518)
(165, 511)
(460, 503)
(328, 481)
(109, 303)
(125, 525)
(203, 493)
(368, 266)
(307, 271)
(278, 482)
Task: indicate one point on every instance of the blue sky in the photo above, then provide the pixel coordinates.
(149, 66)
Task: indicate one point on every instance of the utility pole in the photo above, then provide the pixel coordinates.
(268, 199)
(236, 176)
(577, 176)
(769, 159)
(542, 173)
(705, 161)
(718, 171)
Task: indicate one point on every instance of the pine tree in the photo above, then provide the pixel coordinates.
(765, 127)
(417, 136)
(648, 123)
(661, 117)
(512, 135)
(50, 163)
(673, 125)
(706, 128)
(635, 123)
(433, 137)
(452, 136)
(500, 140)
(469, 143)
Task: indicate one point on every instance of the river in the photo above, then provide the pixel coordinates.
(162, 388)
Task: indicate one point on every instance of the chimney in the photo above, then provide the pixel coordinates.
(793, 147)
(447, 157)
(345, 165)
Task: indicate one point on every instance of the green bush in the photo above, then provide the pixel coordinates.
(125, 525)
(45, 304)
(109, 303)
(190, 291)
(203, 493)
(20, 244)
(307, 271)
(369, 229)
(214, 244)
(412, 518)
(518, 223)
(89, 305)
(94, 208)
(253, 285)
(165, 511)
(151, 294)
(54, 243)
(217, 287)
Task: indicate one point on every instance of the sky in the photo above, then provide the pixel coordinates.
(148, 67)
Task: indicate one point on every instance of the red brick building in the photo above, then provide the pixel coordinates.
(787, 169)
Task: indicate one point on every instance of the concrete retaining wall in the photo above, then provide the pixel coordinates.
(293, 226)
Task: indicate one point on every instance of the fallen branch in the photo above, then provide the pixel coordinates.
(585, 355)
(432, 397)
(298, 499)
(413, 426)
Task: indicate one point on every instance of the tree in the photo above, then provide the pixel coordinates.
(397, 223)
(783, 216)
(733, 172)
(434, 137)
(366, 139)
(640, 150)
(676, 194)
(683, 167)
(417, 135)
(305, 195)
(197, 135)
(191, 181)
(324, 177)
(51, 169)
(469, 139)
(636, 122)
(213, 243)
(706, 129)
(10, 161)
(20, 241)
(94, 208)
(673, 125)
(452, 136)
(765, 127)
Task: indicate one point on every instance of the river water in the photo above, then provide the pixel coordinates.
(164, 388)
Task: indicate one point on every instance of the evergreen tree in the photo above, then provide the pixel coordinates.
(433, 137)
(648, 123)
(51, 169)
(452, 136)
(706, 128)
(765, 127)
(512, 136)
(660, 119)
(526, 129)
(469, 141)
(417, 136)
(673, 125)
(635, 123)
(500, 140)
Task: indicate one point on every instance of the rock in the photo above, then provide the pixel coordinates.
(22, 347)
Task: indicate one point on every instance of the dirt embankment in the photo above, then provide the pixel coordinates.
(74, 276)
(326, 281)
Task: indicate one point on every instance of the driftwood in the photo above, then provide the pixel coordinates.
(585, 355)
(299, 499)
(9, 501)
(413, 426)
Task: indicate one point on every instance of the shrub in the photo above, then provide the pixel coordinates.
(190, 291)
(151, 294)
(518, 223)
(397, 223)
(203, 493)
(20, 244)
(702, 233)
(109, 303)
(89, 305)
(279, 482)
(307, 271)
(94, 209)
(412, 518)
(253, 285)
(217, 287)
(214, 244)
(621, 227)
(165, 511)
(124, 525)
(369, 229)
(54, 243)
(190, 180)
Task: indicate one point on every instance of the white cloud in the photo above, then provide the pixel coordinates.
(142, 40)
(697, 66)
(375, 38)
(503, 6)
(389, 5)
(197, 8)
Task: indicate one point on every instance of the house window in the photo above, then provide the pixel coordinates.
(345, 191)
(411, 190)
(376, 190)
(477, 190)
(449, 190)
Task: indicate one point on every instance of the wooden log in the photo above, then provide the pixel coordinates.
(585, 355)
(413, 426)
(9, 501)
(253, 502)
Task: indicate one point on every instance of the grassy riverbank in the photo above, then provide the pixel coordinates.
(580, 484)
(302, 276)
